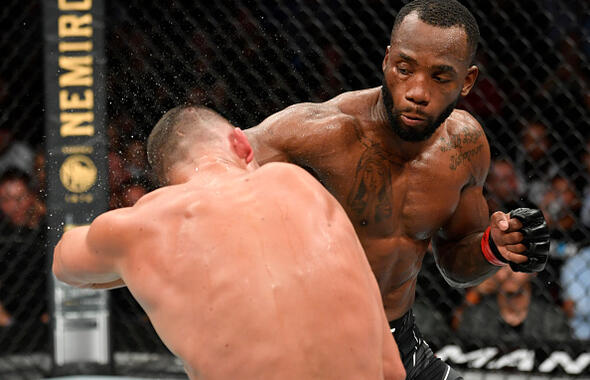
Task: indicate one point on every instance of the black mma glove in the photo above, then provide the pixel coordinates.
(535, 239)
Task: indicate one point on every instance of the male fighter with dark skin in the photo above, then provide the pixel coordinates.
(409, 169)
(245, 272)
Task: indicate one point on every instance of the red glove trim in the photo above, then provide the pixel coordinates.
(487, 251)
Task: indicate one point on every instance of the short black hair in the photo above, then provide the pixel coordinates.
(169, 140)
(443, 14)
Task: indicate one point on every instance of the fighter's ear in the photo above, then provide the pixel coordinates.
(384, 64)
(470, 79)
(241, 145)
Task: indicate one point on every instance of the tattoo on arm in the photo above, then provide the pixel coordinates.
(471, 136)
(458, 159)
(457, 142)
(454, 142)
(466, 136)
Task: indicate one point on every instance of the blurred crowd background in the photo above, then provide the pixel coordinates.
(249, 59)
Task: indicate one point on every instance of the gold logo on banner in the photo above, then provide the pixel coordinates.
(78, 173)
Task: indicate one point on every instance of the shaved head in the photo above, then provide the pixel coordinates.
(442, 14)
(181, 130)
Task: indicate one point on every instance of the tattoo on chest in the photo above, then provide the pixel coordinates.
(370, 198)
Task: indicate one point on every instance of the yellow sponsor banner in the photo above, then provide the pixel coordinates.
(77, 169)
(76, 143)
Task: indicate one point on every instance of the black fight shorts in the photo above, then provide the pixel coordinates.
(418, 358)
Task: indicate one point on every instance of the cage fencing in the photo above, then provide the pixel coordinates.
(249, 59)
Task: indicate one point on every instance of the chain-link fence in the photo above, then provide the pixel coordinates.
(24, 317)
(249, 59)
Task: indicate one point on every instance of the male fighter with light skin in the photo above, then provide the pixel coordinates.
(409, 169)
(245, 272)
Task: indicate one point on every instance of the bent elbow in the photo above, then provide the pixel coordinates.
(460, 283)
(461, 280)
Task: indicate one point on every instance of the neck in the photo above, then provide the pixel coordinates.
(205, 169)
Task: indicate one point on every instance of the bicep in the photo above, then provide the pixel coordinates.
(284, 136)
(268, 146)
(472, 213)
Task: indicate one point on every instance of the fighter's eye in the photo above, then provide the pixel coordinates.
(441, 79)
(403, 70)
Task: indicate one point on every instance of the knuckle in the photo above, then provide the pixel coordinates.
(497, 216)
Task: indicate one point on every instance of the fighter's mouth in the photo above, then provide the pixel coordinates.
(412, 116)
(412, 119)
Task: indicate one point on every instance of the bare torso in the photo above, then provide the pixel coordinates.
(259, 276)
(397, 205)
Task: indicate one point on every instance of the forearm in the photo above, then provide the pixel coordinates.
(74, 262)
(462, 262)
(80, 279)
(263, 149)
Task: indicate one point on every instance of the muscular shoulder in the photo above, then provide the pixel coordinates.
(116, 228)
(465, 135)
(107, 231)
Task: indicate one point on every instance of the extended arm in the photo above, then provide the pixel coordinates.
(85, 256)
(269, 140)
(291, 135)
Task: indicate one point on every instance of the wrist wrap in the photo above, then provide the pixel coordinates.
(490, 251)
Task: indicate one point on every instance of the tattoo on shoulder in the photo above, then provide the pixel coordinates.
(462, 157)
(466, 136)
(471, 136)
